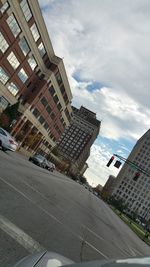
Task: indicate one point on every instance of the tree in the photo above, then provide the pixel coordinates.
(10, 114)
(83, 180)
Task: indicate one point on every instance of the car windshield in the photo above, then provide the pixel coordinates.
(74, 129)
(39, 157)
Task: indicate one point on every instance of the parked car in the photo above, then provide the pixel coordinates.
(7, 142)
(39, 160)
(50, 166)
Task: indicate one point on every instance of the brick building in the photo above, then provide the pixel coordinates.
(32, 74)
(76, 141)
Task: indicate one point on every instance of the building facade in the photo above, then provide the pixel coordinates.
(136, 192)
(78, 138)
(108, 187)
(32, 74)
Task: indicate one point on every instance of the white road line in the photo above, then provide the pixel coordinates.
(53, 217)
(20, 236)
(99, 237)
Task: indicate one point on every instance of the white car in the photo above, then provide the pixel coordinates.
(7, 142)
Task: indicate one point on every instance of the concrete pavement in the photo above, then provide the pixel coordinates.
(39, 209)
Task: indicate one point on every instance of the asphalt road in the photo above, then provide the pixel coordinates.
(42, 210)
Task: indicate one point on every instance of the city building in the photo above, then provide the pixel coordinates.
(108, 187)
(32, 74)
(76, 141)
(132, 188)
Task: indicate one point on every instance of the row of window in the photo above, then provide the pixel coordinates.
(15, 28)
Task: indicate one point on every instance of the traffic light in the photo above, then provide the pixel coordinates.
(136, 176)
(117, 164)
(110, 161)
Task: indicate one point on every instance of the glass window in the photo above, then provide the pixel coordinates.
(32, 62)
(13, 25)
(4, 7)
(13, 88)
(13, 60)
(3, 43)
(3, 103)
(48, 109)
(24, 46)
(3, 76)
(41, 49)
(26, 10)
(44, 101)
(55, 98)
(36, 112)
(41, 119)
(22, 75)
(46, 125)
(59, 106)
(52, 90)
(35, 32)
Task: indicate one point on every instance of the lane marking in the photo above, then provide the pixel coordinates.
(20, 236)
(92, 232)
(54, 218)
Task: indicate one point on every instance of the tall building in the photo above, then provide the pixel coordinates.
(32, 74)
(78, 138)
(135, 191)
(108, 187)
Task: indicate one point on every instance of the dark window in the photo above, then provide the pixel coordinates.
(46, 125)
(36, 112)
(41, 119)
(58, 78)
(66, 98)
(59, 106)
(55, 98)
(44, 101)
(51, 90)
(48, 109)
(62, 89)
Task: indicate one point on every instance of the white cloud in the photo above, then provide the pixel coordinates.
(106, 42)
(98, 172)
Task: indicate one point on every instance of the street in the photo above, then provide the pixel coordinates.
(42, 210)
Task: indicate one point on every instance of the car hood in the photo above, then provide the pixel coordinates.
(51, 259)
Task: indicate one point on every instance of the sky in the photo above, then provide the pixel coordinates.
(105, 46)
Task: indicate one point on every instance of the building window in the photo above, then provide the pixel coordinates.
(44, 101)
(48, 109)
(46, 125)
(51, 90)
(41, 49)
(26, 10)
(59, 106)
(24, 46)
(22, 75)
(35, 32)
(4, 7)
(32, 62)
(3, 76)
(3, 43)
(13, 60)
(55, 98)
(36, 113)
(13, 25)
(3, 103)
(13, 88)
(41, 119)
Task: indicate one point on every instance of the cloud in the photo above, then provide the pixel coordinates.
(105, 43)
(98, 172)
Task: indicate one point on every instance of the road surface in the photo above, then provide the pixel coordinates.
(42, 210)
